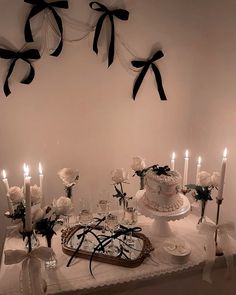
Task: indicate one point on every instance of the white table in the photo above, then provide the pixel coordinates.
(150, 277)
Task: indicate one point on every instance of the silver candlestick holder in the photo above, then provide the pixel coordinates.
(219, 251)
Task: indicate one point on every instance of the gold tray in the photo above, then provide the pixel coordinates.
(141, 249)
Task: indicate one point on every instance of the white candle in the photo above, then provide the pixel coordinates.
(172, 164)
(41, 178)
(186, 160)
(24, 169)
(222, 175)
(5, 180)
(28, 217)
(199, 161)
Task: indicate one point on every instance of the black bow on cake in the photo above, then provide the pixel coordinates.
(38, 6)
(145, 66)
(25, 56)
(161, 170)
(120, 14)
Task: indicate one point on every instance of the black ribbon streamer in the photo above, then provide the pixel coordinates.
(40, 5)
(25, 56)
(120, 14)
(145, 66)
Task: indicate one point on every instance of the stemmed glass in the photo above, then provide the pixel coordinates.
(103, 208)
(85, 218)
(112, 224)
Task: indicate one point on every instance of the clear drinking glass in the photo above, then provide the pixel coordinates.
(85, 218)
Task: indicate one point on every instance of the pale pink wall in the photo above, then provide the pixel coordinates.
(76, 113)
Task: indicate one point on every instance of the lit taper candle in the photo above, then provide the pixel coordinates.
(41, 178)
(28, 217)
(199, 162)
(186, 160)
(222, 175)
(172, 163)
(5, 181)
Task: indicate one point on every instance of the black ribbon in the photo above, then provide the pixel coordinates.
(145, 65)
(120, 14)
(25, 56)
(38, 6)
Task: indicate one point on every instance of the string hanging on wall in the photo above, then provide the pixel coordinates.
(39, 6)
(26, 56)
(145, 64)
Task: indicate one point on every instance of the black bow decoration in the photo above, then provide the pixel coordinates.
(145, 66)
(161, 170)
(25, 56)
(120, 14)
(40, 5)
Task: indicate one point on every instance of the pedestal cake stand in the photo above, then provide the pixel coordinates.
(160, 226)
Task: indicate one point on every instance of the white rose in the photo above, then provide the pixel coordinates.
(63, 206)
(16, 194)
(68, 175)
(38, 214)
(138, 164)
(119, 175)
(215, 179)
(204, 178)
(35, 194)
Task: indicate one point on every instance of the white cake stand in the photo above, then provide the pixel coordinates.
(160, 226)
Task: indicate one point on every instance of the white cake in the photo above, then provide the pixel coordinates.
(163, 191)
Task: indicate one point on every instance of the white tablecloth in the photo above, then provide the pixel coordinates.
(77, 279)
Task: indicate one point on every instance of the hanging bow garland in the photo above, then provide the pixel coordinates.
(145, 66)
(25, 56)
(120, 14)
(38, 6)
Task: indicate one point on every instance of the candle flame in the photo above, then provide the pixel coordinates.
(199, 161)
(4, 175)
(186, 154)
(40, 168)
(24, 167)
(173, 156)
(26, 170)
(225, 153)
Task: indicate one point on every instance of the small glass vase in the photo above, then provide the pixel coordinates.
(203, 208)
(52, 261)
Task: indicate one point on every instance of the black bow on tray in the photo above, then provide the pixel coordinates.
(145, 64)
(26, 56)
(40, 5)
(120, 14)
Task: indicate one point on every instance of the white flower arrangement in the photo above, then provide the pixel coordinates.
(138, 164)
(62, 206)
(119, 176)
(206, 179)
(69, 176)
(36, 195)
(16, 194)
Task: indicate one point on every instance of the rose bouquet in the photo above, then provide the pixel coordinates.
(47, 218)
(69, 177)
(202, 191)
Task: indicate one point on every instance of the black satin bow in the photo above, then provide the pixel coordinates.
(40, 5)
(120, 14)
(25, 56)
(161, 170)
(145, 65)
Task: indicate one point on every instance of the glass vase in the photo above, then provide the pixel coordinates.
(52, 261)
(203, 208)
(34, 241)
